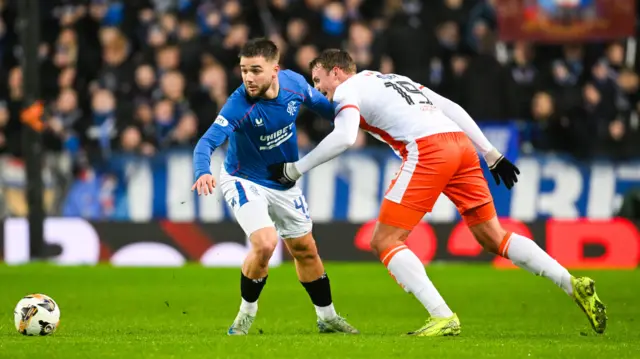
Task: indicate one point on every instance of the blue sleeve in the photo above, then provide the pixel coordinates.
(312, 98)
(224, 125)
(319, 104)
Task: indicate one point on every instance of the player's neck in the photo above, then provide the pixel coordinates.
(344, 77)
(273, 90)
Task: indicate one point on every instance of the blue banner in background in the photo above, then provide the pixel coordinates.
(506, 138)
(350, 187)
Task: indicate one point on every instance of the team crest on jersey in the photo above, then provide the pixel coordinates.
(291, 108)
(258, 122)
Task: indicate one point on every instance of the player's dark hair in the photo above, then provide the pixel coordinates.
(331, 58)
(260, 47)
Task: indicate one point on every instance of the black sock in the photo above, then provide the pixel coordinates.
(250, 288)
(319, 290)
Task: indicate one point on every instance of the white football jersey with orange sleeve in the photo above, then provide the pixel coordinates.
(393, 108)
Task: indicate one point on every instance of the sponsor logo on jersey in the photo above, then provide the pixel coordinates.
(277, 138)
(221, 121)
(259, 122)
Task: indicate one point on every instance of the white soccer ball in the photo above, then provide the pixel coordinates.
(36, 314)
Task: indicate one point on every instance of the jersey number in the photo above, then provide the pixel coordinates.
(409, 92)
(300, 204)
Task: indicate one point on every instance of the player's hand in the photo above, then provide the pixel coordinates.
(204, 185)
(284, 173)
(502, 168)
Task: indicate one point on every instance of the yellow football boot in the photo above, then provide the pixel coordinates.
(584, 294)
(439, 327)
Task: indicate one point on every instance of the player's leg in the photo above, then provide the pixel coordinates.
(311, 274)
(526, 254)
(412, 194)
(388, 243)
(251, 211)
(394, 225)
(315, 281)
(255, 267)
(293, 222)
(522, 251)
(469, 191)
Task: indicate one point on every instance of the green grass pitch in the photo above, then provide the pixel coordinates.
(184, 313)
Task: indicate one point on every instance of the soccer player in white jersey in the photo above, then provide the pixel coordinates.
(435, 138)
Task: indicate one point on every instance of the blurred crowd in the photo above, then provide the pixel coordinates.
(141, 76)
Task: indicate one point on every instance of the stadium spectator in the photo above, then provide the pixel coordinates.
(145, 76)
(145, 87)
(526, 77)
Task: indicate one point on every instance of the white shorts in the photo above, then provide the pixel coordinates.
(256, 207)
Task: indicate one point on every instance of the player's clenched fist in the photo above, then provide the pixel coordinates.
(205, 185)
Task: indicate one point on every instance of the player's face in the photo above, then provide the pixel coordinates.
(325, 81)
(257, 74)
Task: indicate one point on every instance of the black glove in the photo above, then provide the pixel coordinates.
(284, 173)
(503, 168)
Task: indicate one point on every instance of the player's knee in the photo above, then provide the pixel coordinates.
(305, 255)
(264, 250)
(304, 250)
(263, 244)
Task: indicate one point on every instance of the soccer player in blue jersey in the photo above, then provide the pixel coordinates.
(259, 121)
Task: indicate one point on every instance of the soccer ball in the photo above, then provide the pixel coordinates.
(36, 314)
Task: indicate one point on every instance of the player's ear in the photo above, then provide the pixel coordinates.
(276, 68)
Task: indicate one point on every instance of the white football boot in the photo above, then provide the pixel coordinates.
(336, 325)
(241, 324)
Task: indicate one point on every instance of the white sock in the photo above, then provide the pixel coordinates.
(441, 311)
(326, 313)
(526, 254)
(249, 308)
(409, 272)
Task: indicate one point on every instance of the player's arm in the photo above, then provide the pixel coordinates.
(456, 113)
(215, 136)
(319, 104)
(224, 125)
(500, 166)
(343, 136)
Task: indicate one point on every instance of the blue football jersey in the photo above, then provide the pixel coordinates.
(261, 132)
